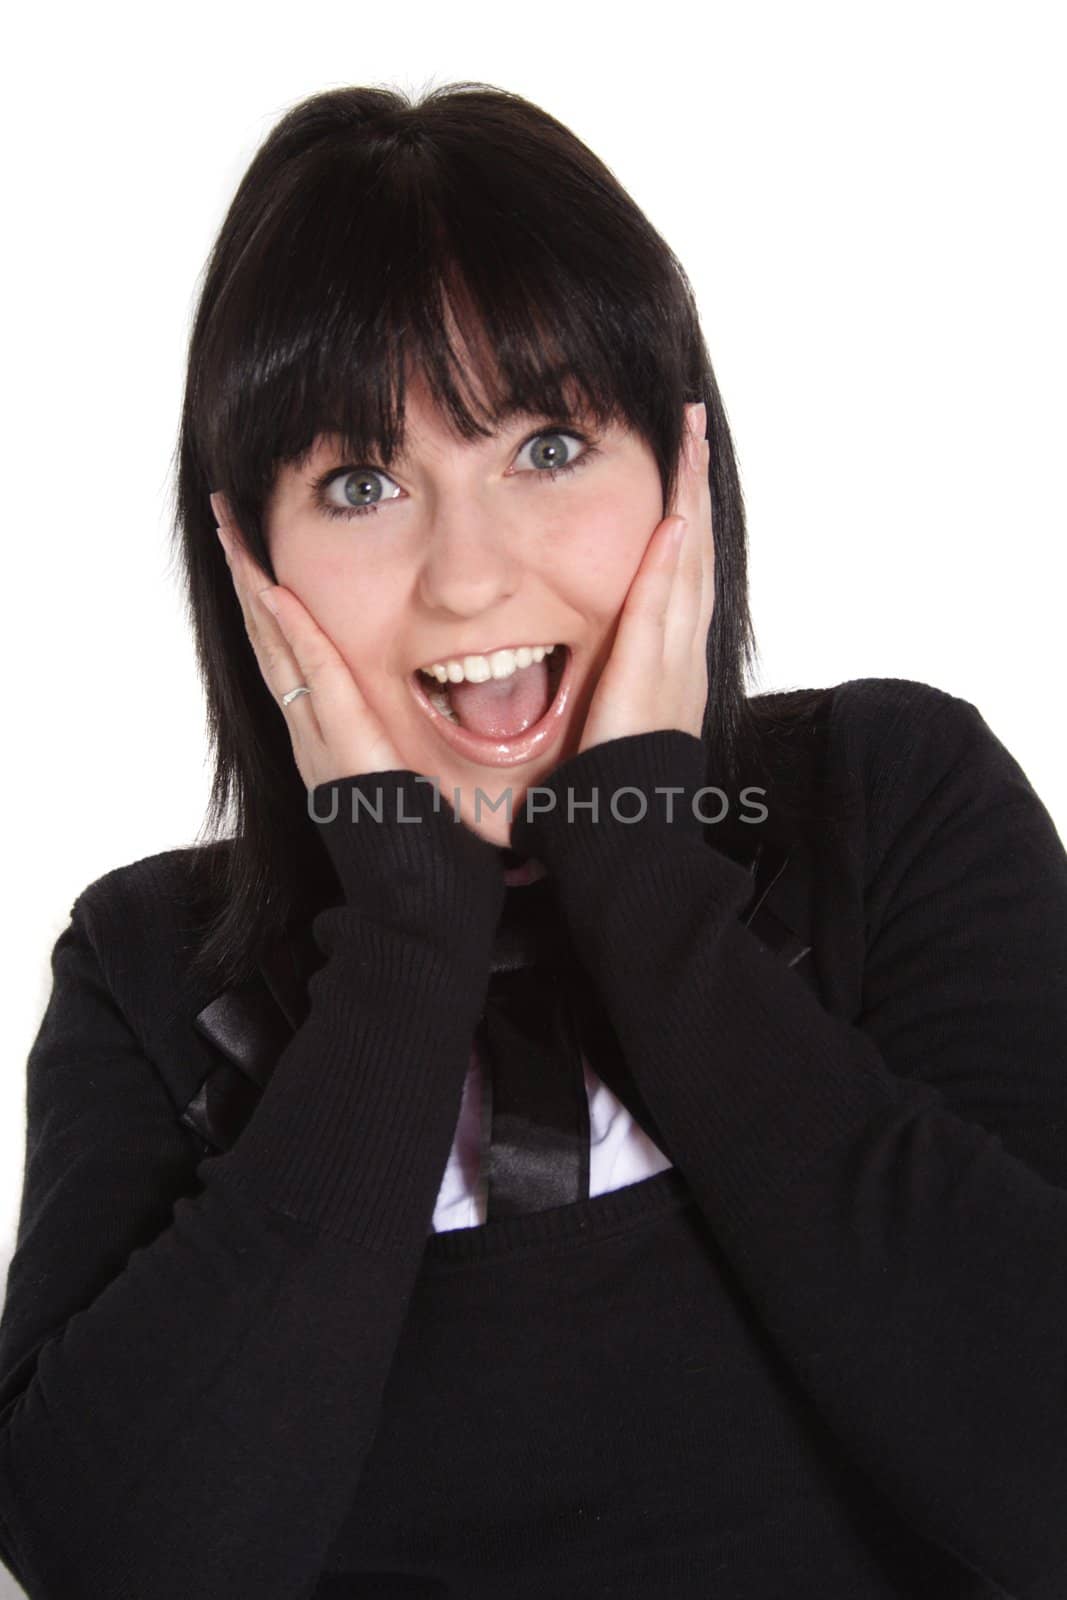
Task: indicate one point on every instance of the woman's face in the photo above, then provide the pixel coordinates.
(472, 547)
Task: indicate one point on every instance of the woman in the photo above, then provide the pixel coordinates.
(587, 1130)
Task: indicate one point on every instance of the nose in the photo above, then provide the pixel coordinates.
(471, 561)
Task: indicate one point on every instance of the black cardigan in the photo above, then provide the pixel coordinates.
(824, 1354)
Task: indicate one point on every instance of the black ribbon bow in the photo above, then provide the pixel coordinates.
(541, 1014)
(535, 1114)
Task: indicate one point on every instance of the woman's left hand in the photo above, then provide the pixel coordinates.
(657, 674)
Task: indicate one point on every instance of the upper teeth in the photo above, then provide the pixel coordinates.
(477, 669)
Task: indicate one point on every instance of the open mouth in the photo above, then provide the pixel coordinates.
(498, 747)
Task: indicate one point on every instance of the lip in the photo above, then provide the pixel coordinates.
(504, 752)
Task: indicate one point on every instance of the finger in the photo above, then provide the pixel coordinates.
(706, 543)
(682, 623)
(337, 696)
(310, 657)
(233, 552)
(266, 633)
(693, 427)
(690, 578)
(638, 647)
(701, 553)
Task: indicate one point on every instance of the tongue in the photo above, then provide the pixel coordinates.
(501, 708)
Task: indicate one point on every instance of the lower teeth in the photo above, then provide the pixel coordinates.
(440, 703)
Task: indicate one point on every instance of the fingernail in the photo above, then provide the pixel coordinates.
(218, 506)
(224, 540)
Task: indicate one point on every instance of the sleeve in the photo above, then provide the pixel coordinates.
(892, 1190)
(189, 1383)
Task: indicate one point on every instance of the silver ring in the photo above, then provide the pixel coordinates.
(301, 688)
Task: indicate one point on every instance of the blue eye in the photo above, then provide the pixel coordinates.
(552, 471)
(356, 482)
(360, 481)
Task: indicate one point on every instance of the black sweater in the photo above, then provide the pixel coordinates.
(823, 1355)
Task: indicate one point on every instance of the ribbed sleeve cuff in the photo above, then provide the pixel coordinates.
(392, 836)
(614, 822)
(353, 1129)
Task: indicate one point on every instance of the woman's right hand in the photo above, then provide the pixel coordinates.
(334, 732)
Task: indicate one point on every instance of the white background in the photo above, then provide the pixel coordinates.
(867, 198)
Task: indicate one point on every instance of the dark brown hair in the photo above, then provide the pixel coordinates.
(365, 226)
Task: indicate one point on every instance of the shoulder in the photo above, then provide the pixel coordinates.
(909, 735)
(168, 878)
(900, 735)
(123, 965)
(870, 715)
(877, 712)
(145, 917)
(932, 772)
(876, 753)
(842, 743)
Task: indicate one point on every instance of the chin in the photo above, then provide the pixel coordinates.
(500, 835)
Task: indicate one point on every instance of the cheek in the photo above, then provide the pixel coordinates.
(600, 553)
(355, 612)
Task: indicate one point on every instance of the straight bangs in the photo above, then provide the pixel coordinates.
(371, 268)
